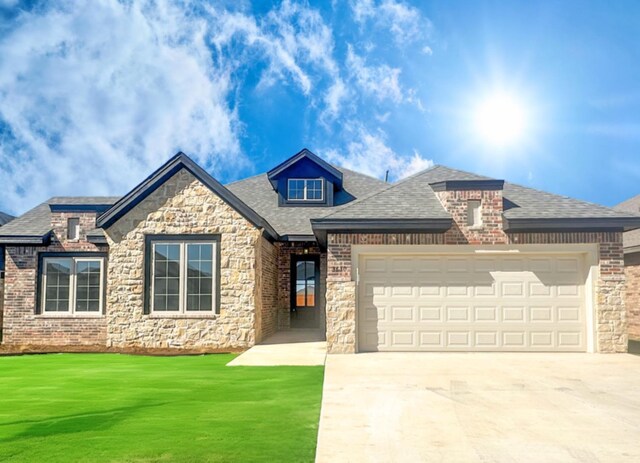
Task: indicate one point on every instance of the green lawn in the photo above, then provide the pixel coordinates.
(114, 408)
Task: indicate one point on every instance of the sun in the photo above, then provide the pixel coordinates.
(500, 119)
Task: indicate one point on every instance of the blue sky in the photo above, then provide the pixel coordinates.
(95, 95)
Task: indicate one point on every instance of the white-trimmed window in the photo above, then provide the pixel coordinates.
(72, 285)
(305, 189)
(183, 276)
(474, 213)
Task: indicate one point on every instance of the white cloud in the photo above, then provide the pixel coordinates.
(293, 39)
(382, 81)
(334, 97)
(369, 153)
(405, 22)
(95, 95)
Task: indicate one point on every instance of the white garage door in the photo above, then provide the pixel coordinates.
(472, 303)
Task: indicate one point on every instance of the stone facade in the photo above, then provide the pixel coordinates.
(21, 325)
(611, 324)
(632, 297)
(183, 205)
(285, 251)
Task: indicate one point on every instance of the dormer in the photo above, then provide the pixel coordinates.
(305, 180)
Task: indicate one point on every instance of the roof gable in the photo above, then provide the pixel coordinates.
(305, 164)
(5, 218)
(160, 176)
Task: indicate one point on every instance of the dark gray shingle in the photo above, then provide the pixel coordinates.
(37, 221)
(258, 194)
(5, 218)
(631, 239)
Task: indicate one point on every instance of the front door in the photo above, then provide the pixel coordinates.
(305, 272)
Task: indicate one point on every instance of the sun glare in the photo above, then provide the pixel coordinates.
(500, 119)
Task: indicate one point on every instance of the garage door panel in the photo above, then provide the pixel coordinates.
(513, 314)
(402, 314)
(541, 314)
(431, 314)
(431, 339)
(472, 303)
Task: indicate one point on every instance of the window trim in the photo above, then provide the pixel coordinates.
(149, 242)
(305, 199)
(71, 313)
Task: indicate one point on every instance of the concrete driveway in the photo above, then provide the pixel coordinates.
(419, 407)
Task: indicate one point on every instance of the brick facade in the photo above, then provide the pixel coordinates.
(21, 325)
(611, 322)
(490, 232)
(266, 290)
(285, 251)
(632, 296)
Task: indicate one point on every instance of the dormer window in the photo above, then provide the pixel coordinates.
(304, 189)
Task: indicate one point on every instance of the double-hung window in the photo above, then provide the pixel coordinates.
(305, 189)
(182, 275)
(72, 285)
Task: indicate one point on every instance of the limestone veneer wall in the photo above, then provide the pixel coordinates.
(632, 297)
(182, 205)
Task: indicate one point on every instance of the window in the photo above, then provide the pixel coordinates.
(474, 213)
(72, 285)
(73, 229)
(305, 278)
(305, 189)
(182, 275)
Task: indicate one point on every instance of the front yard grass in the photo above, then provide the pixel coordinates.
(121, 408)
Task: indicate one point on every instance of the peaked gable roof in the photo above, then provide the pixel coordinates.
(5, 218)
(290, 222)
(166, 171)
(529, 209)
(299, 156)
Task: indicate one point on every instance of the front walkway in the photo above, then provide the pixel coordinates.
(295, 347)
(415, 407)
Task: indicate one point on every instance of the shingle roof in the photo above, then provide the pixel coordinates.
(5, 218)
(411, 198)
(363, 197)
(529, 202)
(37, 221)
(258, 193)
(631, 239)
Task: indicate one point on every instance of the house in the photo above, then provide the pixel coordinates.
(444, 260)
(631, 240)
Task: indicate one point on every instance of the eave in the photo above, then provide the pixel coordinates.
(321, 227)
